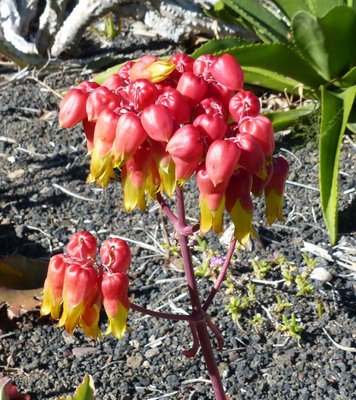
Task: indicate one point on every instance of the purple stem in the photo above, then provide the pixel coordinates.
(221, 276)
(198, 312)
(158, 314)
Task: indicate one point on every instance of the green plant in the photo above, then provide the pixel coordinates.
(308, 45)
(291, 327)
(260, 268)
(281, 305)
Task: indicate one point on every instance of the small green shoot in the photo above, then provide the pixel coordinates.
(260, 268)
(291, 327)
(281, 305)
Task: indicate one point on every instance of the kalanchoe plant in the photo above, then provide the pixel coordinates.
(161, 123)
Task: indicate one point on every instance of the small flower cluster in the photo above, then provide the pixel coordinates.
(77, 285)
(160, 122)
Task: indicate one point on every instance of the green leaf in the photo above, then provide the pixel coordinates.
(278, 58)
(284, 119)
(290, 7)
(320, 7)
(266, 26)
(215, 46)
(336, 109)
(271, 80)
(327, 43)
(85, 391)
(351, 124)
(349, 79)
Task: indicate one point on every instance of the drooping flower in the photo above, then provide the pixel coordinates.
(227, 71)
(115, 255)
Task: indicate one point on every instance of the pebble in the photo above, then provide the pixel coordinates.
(152, 352)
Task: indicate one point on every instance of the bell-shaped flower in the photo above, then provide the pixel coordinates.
(186, 149)
(274, 191)
(227, 71)
(114, 287)
(130, 135)
(165, 167)
(53, 286)
(72, 108)
(176, 104)
(201, 66)
(135, 177)
(115, 255)
(252, 157)
(89, 319)
(142, 93)
(99, 100)
(80, 280)
(124, 71)
(113, 82)
(244, 104)
(259, 183)
(239, 204)
(101, 165)
(221, 160)
(183, 63)
(89, 129)
(82, 246)
(211, 202)
(261, 128)
(157, 122)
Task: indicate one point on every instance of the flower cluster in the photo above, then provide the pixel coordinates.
(77, 285)
(161, 122)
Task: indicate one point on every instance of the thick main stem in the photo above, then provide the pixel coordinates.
(198, 312)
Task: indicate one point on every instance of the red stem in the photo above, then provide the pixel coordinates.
(221, 276)
(158, 314)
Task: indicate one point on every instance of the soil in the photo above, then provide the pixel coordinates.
(44, 198)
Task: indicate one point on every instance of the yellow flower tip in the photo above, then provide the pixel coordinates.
(117, 323)
(49, 306)
(242, 220)
(70, 318)
(160, 70)
(274, 206)
(101, 170)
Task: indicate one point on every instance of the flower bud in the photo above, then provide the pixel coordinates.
(244, 104)
(157, 122)
(227, 71)
(183, 63)
(115, 255)
(130, 135)
(261, 128)
(72, 108)
(114, 289)
(82, 245)
(210, 127)
(202, 64)
(211, 106)
(192, 87)
(251, 157)
(99, 100)
(124, 72)
(113, 82)
(274, 190)
(53, 286)
(221, 160)
(259, 183)
(177, 105)
(89, 319)
(78, 286)
(89, 128)
(142, 93)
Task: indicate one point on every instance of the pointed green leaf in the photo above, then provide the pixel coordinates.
(290, 7)
(215, 46)
(266, 26)
(327, 43)
(85, 391)
(278, 58)
(349, 79)
(336, 109)
(351, 124)
(320, 7)
(271, 80)
(285, 119)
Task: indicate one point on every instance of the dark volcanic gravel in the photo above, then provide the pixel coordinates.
(44, 198)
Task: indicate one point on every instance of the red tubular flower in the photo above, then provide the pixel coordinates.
(114, 289)
(78, 286)
(113, 82)
(211, 202)
(251, 157)
(186, 149)
(101, 165)
(135, 178)
(142, 93)
(261, 128)
(183, 63)
(82, 245)
(53, 286)
(274, 190)
(157, 122)
(115, 255)
(99, 100)
(177, 105)
(202, 64)
(218, 91)
(192, 87)
(89, 128)
(239, 204)
(227, 71)
(130, 135)
(211, 106)
(221, 160)
(244, 104)
(211, 128)
(89, 319)
(72, 108)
